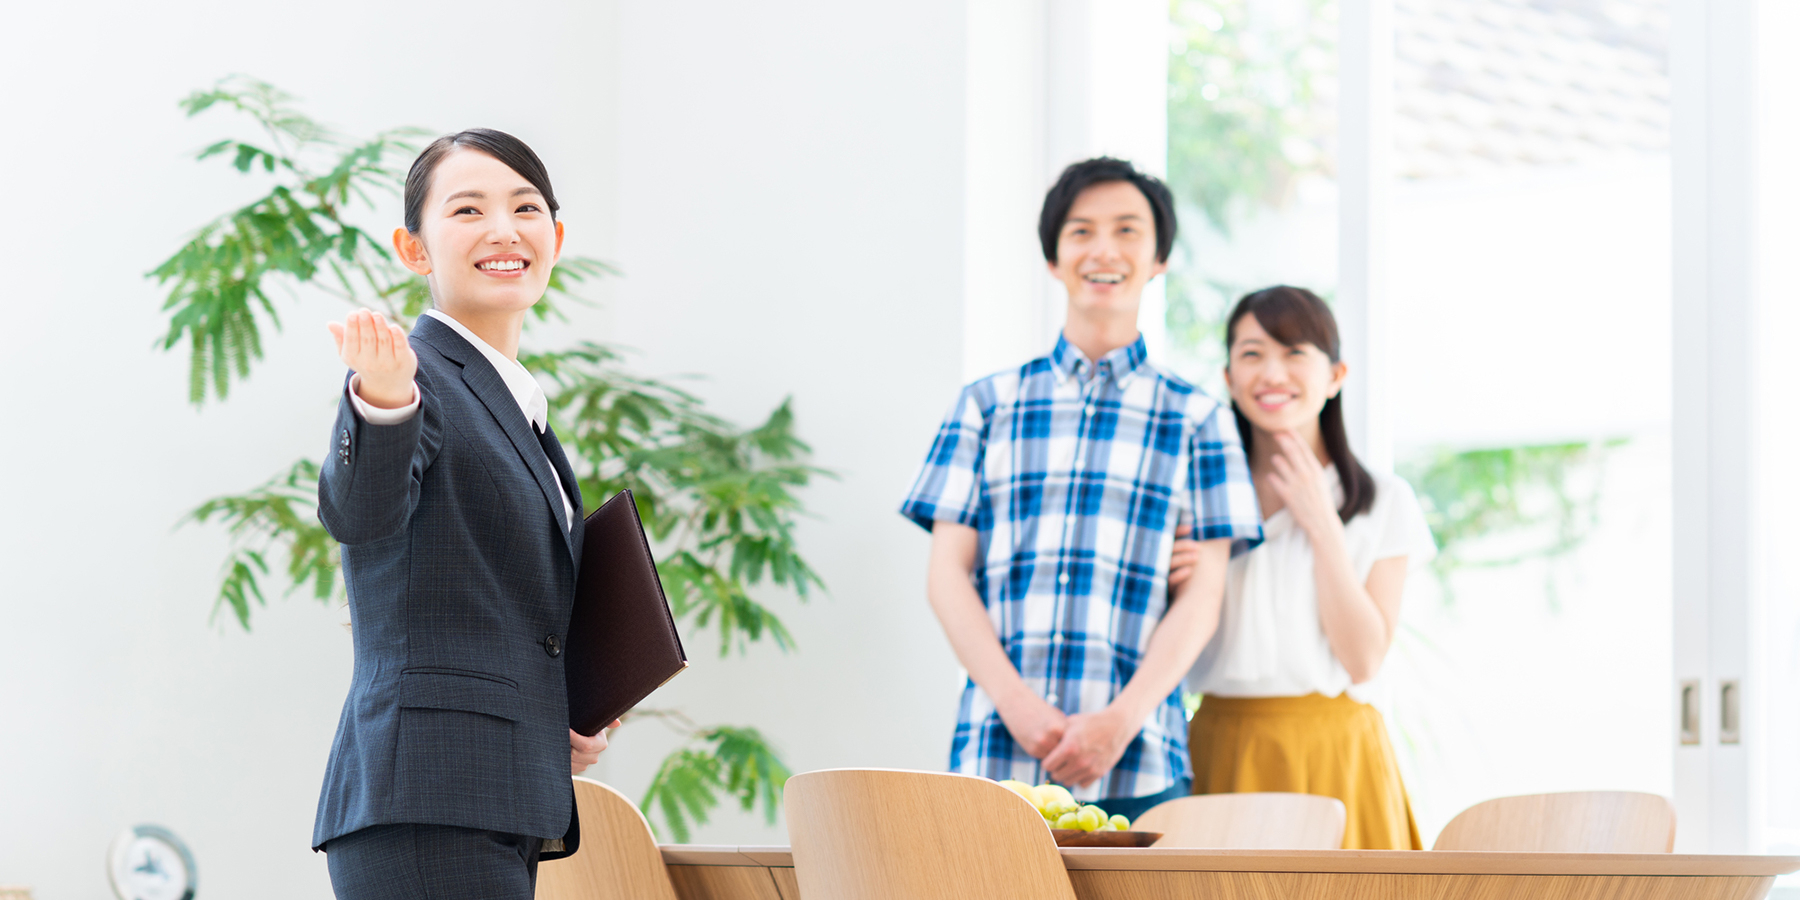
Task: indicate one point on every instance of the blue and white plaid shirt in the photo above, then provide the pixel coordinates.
(1077, 476)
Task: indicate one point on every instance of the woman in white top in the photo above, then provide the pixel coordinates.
(1310, 613)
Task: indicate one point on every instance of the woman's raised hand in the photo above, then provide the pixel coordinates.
(377, 350)
(1299, 481)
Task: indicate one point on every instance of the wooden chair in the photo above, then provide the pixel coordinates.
(1266, 821)
(618, 856)
(1575, 822)
(887, 834)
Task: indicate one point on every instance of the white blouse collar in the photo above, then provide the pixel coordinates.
(524, 388)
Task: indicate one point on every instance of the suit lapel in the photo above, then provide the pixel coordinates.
(485, 383)
(553, 449)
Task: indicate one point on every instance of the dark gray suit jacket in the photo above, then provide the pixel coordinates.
(461, 576)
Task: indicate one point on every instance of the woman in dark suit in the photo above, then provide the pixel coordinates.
(460, 523)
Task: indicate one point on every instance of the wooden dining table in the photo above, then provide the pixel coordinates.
(702, 872)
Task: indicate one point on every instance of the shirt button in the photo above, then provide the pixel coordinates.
(1050, 698)
(1063, 578)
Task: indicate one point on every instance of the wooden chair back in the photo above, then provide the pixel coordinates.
(617, 857)
(1575, 822)
(887, 834)
(1263, 821)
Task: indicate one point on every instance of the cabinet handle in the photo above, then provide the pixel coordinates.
(1690, 711)
(1729, 700)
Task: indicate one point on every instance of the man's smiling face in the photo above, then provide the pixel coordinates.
(1106, 251)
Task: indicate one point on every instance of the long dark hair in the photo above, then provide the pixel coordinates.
(516, 154)
(1296, 316)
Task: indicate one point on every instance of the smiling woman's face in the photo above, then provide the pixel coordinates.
(486, 239)
(1278, 387)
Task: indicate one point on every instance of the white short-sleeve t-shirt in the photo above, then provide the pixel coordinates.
(1270, 642)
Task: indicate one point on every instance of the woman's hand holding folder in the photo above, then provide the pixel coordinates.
(584, 751)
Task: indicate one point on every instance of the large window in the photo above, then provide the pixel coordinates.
(1251, 93)
(1529, 379)
(1528, 351)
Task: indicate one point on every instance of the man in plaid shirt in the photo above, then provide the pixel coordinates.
(1054, 493)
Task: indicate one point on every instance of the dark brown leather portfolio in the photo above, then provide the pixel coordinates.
(622, 642)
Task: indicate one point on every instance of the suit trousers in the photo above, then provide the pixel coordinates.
(432, 862)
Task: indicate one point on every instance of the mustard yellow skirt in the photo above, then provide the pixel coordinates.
(1332, 746)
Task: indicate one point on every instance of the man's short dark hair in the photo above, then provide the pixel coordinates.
(1099, 170)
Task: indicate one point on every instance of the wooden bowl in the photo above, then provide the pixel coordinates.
(1072, 837)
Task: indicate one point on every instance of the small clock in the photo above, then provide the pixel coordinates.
(148, 862)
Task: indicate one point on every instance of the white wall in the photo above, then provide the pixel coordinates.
(1779, 309)
(1049, 84)
(1008, 313)
(790, 222)
(1717, 498)
(781, 183)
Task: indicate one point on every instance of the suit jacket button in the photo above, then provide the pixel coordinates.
(553, 645)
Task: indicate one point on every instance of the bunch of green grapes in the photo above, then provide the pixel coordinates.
(1060, 809)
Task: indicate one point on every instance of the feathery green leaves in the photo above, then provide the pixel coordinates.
(723, 759)
(1250, 117)
(1499, 506)
(1246, 114)
(721, 500)
(281, 513)
(219, 281)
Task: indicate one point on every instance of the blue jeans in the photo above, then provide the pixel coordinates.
(1132, 807)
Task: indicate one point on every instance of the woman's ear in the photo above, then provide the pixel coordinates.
(559, 239)
(411, 250)
(1339, 371)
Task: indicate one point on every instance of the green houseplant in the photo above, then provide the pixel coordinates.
(721, 501)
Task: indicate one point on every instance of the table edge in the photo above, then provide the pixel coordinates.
(1384, 862)
(1426, 862)
(704, 855)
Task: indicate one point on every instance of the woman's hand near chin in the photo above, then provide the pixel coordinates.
(378, 352)
(1299, 482)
